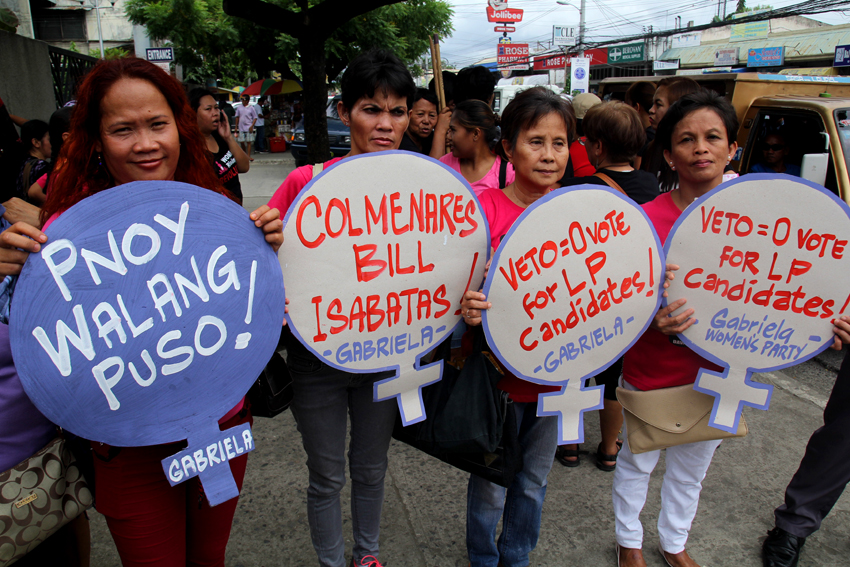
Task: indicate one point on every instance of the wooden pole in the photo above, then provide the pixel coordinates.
(436, 63)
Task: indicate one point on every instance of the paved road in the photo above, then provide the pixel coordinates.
(424, 514)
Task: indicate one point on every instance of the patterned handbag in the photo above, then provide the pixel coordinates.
(37, 497)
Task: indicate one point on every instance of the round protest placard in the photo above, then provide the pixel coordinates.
(378, 251)
(572, 286)
(762, 262)
(145, 318)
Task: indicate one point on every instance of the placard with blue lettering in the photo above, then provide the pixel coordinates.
(145, 319)
(378, 251)
(763, 262)
(572, 286)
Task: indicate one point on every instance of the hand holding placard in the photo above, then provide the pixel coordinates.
(378, 251)
(762, 263)
(147, 315)
(572, 286)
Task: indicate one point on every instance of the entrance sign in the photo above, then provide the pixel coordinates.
(572, 286)
(763, 263)
(378, 251)
(146, 317)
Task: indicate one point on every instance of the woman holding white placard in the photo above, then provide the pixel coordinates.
(697, 137)
(537, 129)
(377, 91)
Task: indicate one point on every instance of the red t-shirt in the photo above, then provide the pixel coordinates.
(292, 185)
(655, 361)
(501, 213)
(581, 163)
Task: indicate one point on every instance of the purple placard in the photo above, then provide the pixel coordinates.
(147, 316)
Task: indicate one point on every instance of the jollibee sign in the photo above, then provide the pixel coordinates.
(378, 251)
(572, 286)
(147, 316)
(764, 263)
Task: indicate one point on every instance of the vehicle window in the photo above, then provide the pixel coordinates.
(331, 111)
(780, 139)
(842, 120)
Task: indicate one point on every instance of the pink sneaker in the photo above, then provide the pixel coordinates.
(368, 561)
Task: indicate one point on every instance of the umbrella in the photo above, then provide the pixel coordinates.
(272, 87)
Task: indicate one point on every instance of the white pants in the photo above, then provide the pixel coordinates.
(686, 468)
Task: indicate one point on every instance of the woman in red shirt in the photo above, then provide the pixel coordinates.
(697, 136)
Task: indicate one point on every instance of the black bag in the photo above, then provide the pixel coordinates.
(272, 392)
(470, 424)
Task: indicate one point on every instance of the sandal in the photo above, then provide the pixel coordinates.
(602, 458)
(563, 456)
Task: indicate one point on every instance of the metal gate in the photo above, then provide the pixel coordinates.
(68, 69)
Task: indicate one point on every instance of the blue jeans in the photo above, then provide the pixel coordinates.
(261, 138)
(521, 504)
(324, 400)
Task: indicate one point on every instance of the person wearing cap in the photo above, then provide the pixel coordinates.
(579, 165)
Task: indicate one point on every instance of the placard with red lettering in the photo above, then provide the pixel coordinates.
(572, 286)
(378, 252)
(763, 263)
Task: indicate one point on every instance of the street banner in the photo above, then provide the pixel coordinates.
(766, 57)
(145, 318)
(762, 261)
(572, 286)
(378, 251)
(579, 74)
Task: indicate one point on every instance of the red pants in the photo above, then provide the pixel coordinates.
(154, 523)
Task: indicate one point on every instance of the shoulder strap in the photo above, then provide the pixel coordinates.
(318, 168)
(609, 182)
(503, 173)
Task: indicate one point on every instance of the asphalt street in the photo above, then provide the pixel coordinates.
(424, 512)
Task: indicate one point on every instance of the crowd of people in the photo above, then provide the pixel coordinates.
(666, 146)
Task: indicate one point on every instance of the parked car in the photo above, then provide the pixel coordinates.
(339, 136)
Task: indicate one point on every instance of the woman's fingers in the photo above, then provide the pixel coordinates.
(269, 220)
(841, 328)
(473, 303)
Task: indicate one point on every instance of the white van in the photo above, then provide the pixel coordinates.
(507, 89)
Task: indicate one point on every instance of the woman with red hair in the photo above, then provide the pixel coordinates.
(133, 123)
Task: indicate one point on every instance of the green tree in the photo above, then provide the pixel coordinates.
(317, 39)
(204, 38)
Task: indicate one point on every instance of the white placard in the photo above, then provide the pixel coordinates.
(579, 74)
(763, 262)
(572, 286)
(378, 251)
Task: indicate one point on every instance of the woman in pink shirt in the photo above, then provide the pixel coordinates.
(538, 128)
(474, 131)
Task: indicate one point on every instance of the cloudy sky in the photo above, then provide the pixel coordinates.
(474, 39)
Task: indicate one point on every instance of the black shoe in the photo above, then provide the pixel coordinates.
(781, 549)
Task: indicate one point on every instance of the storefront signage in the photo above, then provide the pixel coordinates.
(629, 53)
(766, 57)
(726, 57)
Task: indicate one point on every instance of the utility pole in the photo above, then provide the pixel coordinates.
(581, 11)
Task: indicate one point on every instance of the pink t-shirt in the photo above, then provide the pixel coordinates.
(490, 180)
(501, 213)
(657, 360)
(292, 185)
